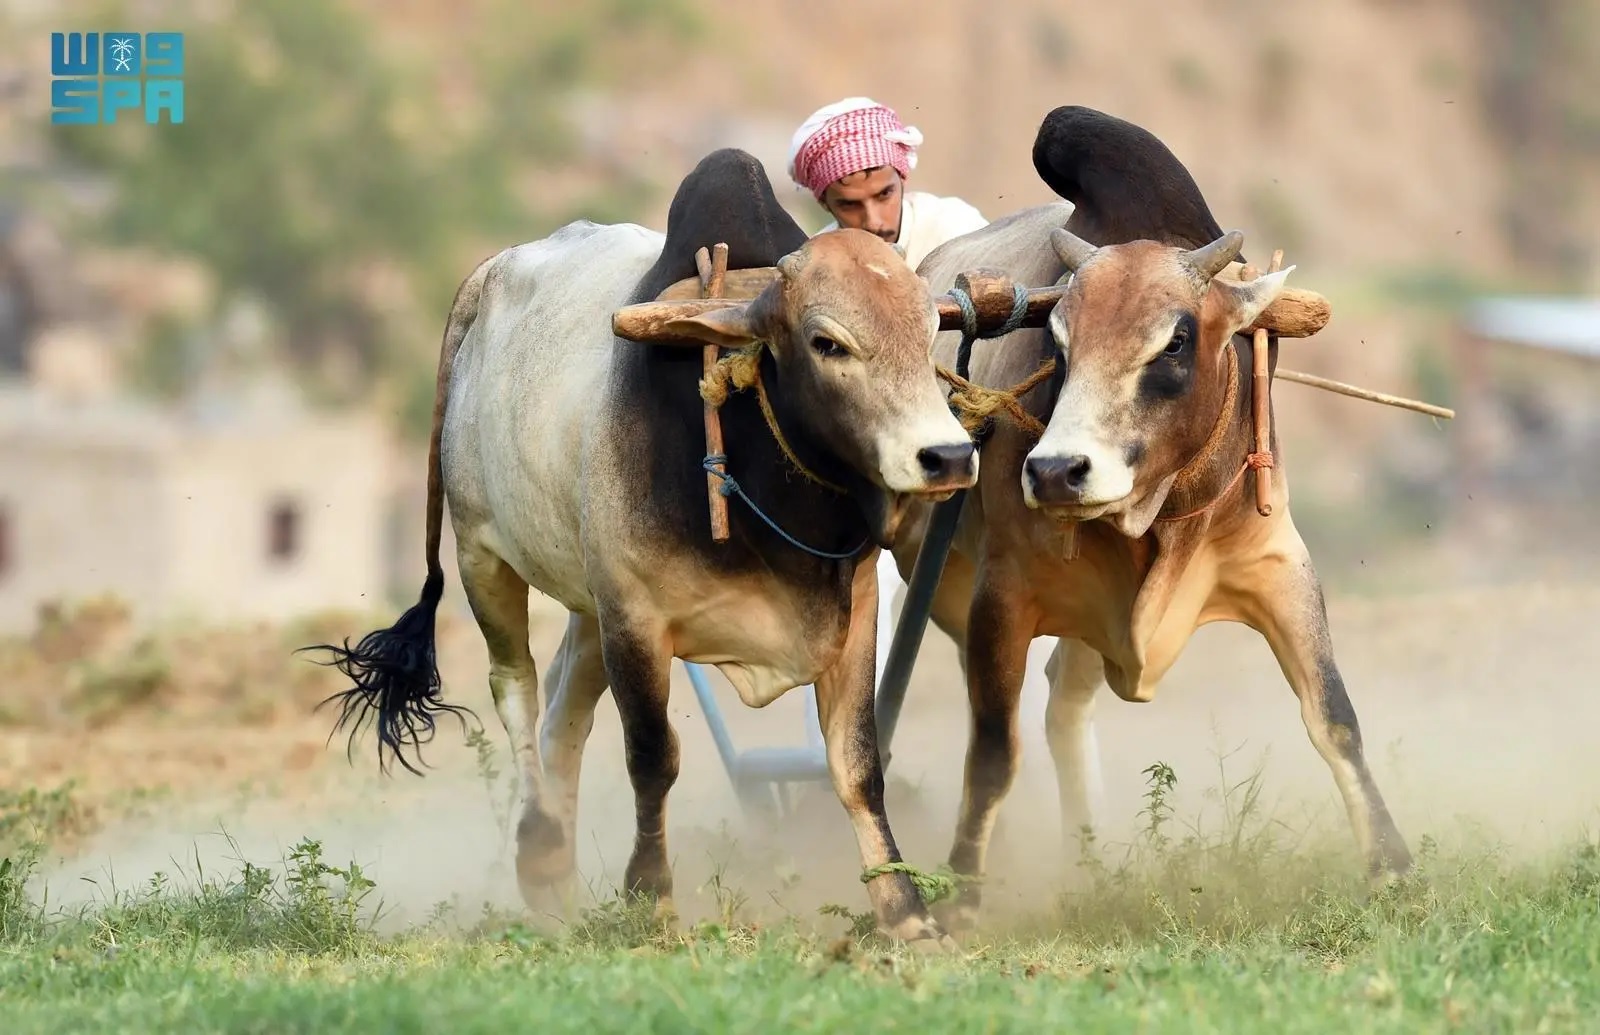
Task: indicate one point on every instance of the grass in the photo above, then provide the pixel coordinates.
(87, 665)
(1244, 928)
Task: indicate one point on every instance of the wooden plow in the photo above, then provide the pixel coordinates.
(762, 777)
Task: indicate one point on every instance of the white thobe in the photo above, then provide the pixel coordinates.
(927, 221)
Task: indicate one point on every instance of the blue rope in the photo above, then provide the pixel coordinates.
(969, 323)
(713, 463)
(969, 331)
(1019, 312)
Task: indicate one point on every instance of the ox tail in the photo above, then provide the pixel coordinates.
(394, 672)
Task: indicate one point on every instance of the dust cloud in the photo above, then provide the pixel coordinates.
(1477, 707)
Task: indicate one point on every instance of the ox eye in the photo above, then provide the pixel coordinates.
(1179, 342)
(826, 346)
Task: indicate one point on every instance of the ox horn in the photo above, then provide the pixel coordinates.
(1210, 259)
(1071, 249)
(789, 266)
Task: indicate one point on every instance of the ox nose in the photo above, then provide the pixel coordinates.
(1058, 479)
(941, 463)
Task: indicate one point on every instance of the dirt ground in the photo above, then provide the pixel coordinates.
(1477, 706)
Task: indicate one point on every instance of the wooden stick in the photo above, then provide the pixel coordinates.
(1363, 393)
(1261, 402)
(713, 272)
(1296, 313)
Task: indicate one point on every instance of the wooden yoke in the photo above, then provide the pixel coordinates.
(1296, 313)
(713, 269)
(1261, 408)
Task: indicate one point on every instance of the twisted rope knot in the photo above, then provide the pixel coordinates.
(976, 404)
(973, 404)
(717, 464)
(732, 373)
(740, 370)
(1260, 460)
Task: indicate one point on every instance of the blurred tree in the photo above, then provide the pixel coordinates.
(1542, 107)
(317, 172)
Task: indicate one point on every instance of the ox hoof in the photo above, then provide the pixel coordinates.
(1389, 865)
(665, 914)
(545, 854)
(540, 870)
(944, 945)
(551, 905)
(1387, 877)
(959, 918)
(923, 936)
(537, 864)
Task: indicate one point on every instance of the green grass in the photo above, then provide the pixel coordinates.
(1243, 929)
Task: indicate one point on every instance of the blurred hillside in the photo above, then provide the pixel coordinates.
(343, 165)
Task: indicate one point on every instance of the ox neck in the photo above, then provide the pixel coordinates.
(771, 416)
(1193, 477)
(742, 370)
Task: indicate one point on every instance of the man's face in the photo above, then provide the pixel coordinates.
(867, 200)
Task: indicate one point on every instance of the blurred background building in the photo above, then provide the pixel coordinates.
(217, 340)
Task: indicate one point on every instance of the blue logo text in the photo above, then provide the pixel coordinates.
(96, 75)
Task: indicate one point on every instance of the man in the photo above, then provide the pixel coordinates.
(855, 157)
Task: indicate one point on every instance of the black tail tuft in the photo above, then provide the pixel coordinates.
(395, 673)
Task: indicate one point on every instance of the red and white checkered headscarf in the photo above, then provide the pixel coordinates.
(846, 137)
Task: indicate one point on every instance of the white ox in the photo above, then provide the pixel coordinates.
(572, 463)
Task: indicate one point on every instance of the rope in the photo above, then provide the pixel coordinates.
(713, 464)
(969, 322)
(1201, 461)
(738, 371)
(973, 404)
(933, 887)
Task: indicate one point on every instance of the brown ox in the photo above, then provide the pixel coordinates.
(1146, 444)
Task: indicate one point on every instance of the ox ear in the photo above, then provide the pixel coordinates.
(1072, 250)
(1208, 260)
(1247, 300)
(1057, 323)
(732, 327)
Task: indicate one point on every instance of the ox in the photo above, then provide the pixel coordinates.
(1146, 438)
(572, 463)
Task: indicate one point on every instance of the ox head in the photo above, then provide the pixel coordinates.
(851, 330)
(1141, 329)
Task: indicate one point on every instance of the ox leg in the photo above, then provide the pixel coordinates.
(1289, 610)
(952, 599)
(1075, 671)
(637, 667)
(998, 636)
(845, 711)
(499, 601)
(575, 679)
